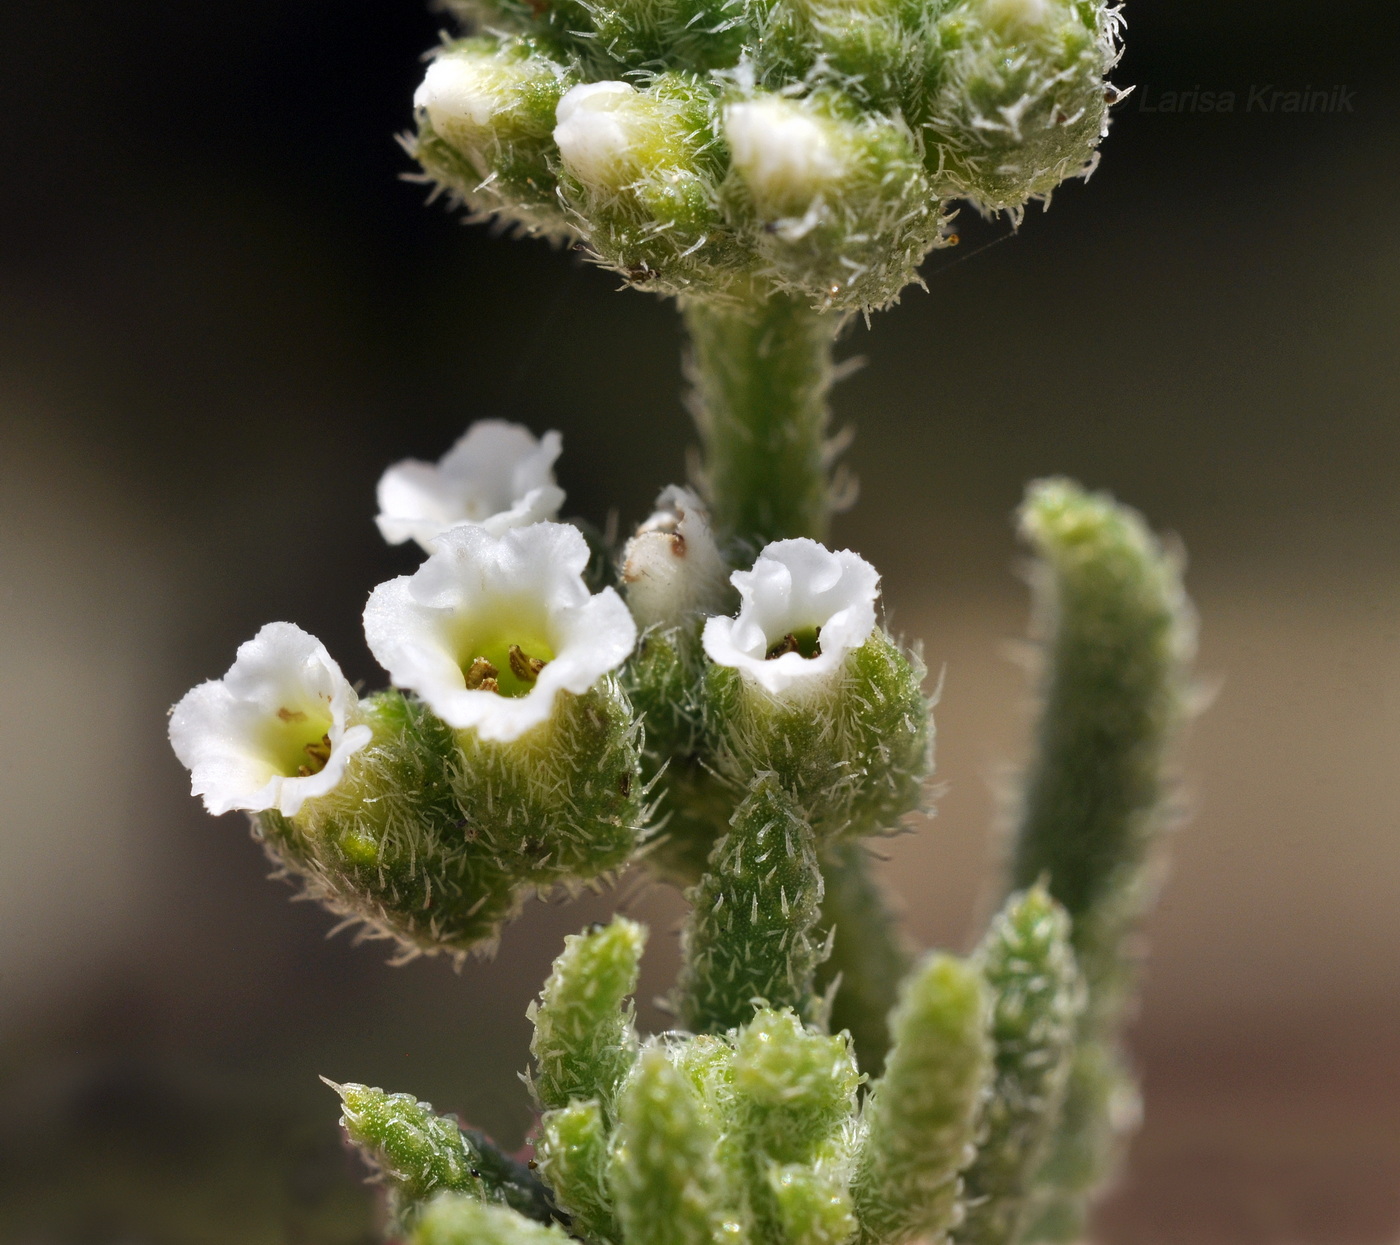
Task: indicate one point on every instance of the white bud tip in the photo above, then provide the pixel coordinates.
(596, 129)
(1016, 15)
(779, 149)
(460, 88)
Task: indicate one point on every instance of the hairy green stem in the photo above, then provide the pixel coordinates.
(1119, 635)
(867, 953)
(761, 371)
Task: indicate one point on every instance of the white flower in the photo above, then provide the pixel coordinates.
(497, 476)
(782, 151)
(598, 126)
(275, 731)
(491, 628)
(802, 609)
(672, 566)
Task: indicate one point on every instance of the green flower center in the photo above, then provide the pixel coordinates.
(298, 741)
(806, 641)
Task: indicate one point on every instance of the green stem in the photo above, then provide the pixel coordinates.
(867, 952)
(761, 371)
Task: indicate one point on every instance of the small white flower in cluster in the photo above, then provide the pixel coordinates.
(277, 730)
(799, 596)
(490, 629)
(597, 128)
(497, 476)
(461, 89)
(782, 152)
(672, 567)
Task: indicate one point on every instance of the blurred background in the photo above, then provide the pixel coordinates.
(222, 313)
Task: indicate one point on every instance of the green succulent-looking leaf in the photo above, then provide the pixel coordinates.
(667, 1186)
(920, 1118)
(433, 836)
(454, 1219)
(418, 1153)
(584, 1041)
(1037, 997)
(853, 758)
(748, 941)
(572, 1152)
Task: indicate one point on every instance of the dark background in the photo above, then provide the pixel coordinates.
(222, 313)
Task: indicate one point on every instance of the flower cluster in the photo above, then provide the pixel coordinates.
(811, 146)
(509, 751)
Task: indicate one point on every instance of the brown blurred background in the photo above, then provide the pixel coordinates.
(222, 314)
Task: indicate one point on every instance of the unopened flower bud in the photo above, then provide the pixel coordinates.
(672, 570)
(1021, 102)
(642, 170)
(486, 113)
(844, 209)
(786, 154)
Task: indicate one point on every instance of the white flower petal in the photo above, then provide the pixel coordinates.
(795, 587)
(672, 566)
(479, 593)
(497, 475)
(244, 738)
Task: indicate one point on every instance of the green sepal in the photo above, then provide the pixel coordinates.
(584, 1041)
(434, 836)
(452, 1219)
(1037, 997)
(749, 938)
(418, 1153)
(853, 756)
(920, 1118)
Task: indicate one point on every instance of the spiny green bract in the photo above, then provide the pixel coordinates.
(418, 1153)
(852, 756)
(870, 119)
(748, 940)
(1036, 999)
(451, 1219)
(921, 1117)
(584, 1042)
(433, 836)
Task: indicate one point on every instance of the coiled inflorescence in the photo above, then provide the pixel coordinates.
(723, 148)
